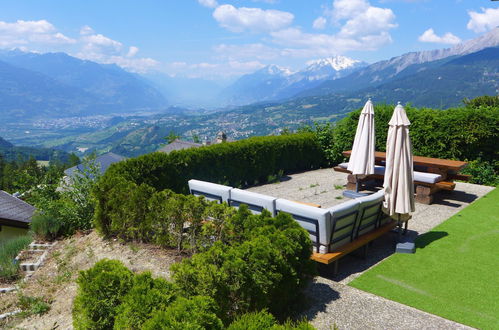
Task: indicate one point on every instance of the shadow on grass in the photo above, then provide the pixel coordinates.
(427, 238)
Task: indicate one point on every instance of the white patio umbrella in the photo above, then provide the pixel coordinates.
(361, 161)
(399, 173)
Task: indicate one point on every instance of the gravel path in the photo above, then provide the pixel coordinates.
(332, 300)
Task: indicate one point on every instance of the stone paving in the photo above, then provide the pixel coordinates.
(332, 301)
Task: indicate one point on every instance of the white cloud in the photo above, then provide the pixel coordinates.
(42, 36)
(22, 33)
(430, 36)
(349, 8)
(372, 21)
(251, 19)
(208, 3)
(319, 23)
(132, 51)
(484, 21)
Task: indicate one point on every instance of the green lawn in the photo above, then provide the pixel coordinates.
(454, 272)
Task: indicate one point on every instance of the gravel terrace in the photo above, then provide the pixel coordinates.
(332, 301)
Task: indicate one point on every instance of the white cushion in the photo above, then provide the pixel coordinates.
(252, 199)
(427, 177)
(212, 191)
(377, 168)
(418, 176)
(297, 210)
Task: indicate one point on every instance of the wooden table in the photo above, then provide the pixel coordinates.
(448, 169)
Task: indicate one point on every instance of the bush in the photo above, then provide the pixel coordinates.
(265, 321)
(45, 226)
(101, 289)
(264, 263)
(482, 172)
(146, 297)
(458, 133)
(9, 269)
(195, 313)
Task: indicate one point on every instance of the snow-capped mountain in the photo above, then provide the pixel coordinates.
(400, 66)
(274, 82)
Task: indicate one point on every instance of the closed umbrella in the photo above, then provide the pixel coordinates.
(399, 173)
(361, 161)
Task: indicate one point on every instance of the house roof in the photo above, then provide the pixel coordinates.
(14, 210)
(179, 145)
(104, 162)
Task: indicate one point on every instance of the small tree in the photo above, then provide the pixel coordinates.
(172, 136)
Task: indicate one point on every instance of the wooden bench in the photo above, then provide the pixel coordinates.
(424, 190)
(361, 241)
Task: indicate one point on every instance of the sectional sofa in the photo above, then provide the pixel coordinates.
(329, 229)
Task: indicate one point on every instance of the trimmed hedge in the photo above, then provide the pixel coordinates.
(237, 163)
(466, 133)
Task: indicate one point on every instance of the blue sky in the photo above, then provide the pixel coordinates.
(218, 39)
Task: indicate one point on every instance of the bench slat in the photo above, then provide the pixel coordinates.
(328, 258)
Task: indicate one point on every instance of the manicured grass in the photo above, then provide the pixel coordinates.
(454, 272)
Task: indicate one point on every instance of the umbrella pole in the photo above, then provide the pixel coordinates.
(356, 184)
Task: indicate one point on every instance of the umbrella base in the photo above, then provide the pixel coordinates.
(353, 194)
(406, 247)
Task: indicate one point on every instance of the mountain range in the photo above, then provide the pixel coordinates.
(273, 82)
(56, 85)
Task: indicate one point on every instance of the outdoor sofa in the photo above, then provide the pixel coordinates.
(329, 229)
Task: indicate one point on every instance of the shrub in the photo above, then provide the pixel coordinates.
(45, 226)
(146, 297)
(459, 133)
(195, 313)
(482, 172)
(101, 290)
(265, 321)
(265, 265)
(9, 270)
(33, 305)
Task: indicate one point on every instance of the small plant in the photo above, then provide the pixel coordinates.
(314, 185)
(263, 320)
(9, 269)
(339, 197)
(338, 186)
(45, 226)
(33, 305)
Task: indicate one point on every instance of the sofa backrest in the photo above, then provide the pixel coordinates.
(344, 223)
(369, 212)
(211, 191)
(256, 202)
(315, 220)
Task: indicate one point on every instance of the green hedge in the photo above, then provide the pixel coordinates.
(466, 133)
(237, 163)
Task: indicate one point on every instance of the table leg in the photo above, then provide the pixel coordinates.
(424, 194)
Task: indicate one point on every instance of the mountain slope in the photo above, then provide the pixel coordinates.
(275, 83)
(9, 152)
(61, 85)
(384, 71)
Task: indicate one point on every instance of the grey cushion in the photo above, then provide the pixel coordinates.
(212, 191)
(255, 201)
(343, 220)
(301, 213)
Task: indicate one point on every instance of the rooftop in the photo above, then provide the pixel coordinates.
(14, 211)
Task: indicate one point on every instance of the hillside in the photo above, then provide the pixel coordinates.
(56, 85)
(400, 66)
(9, 152)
